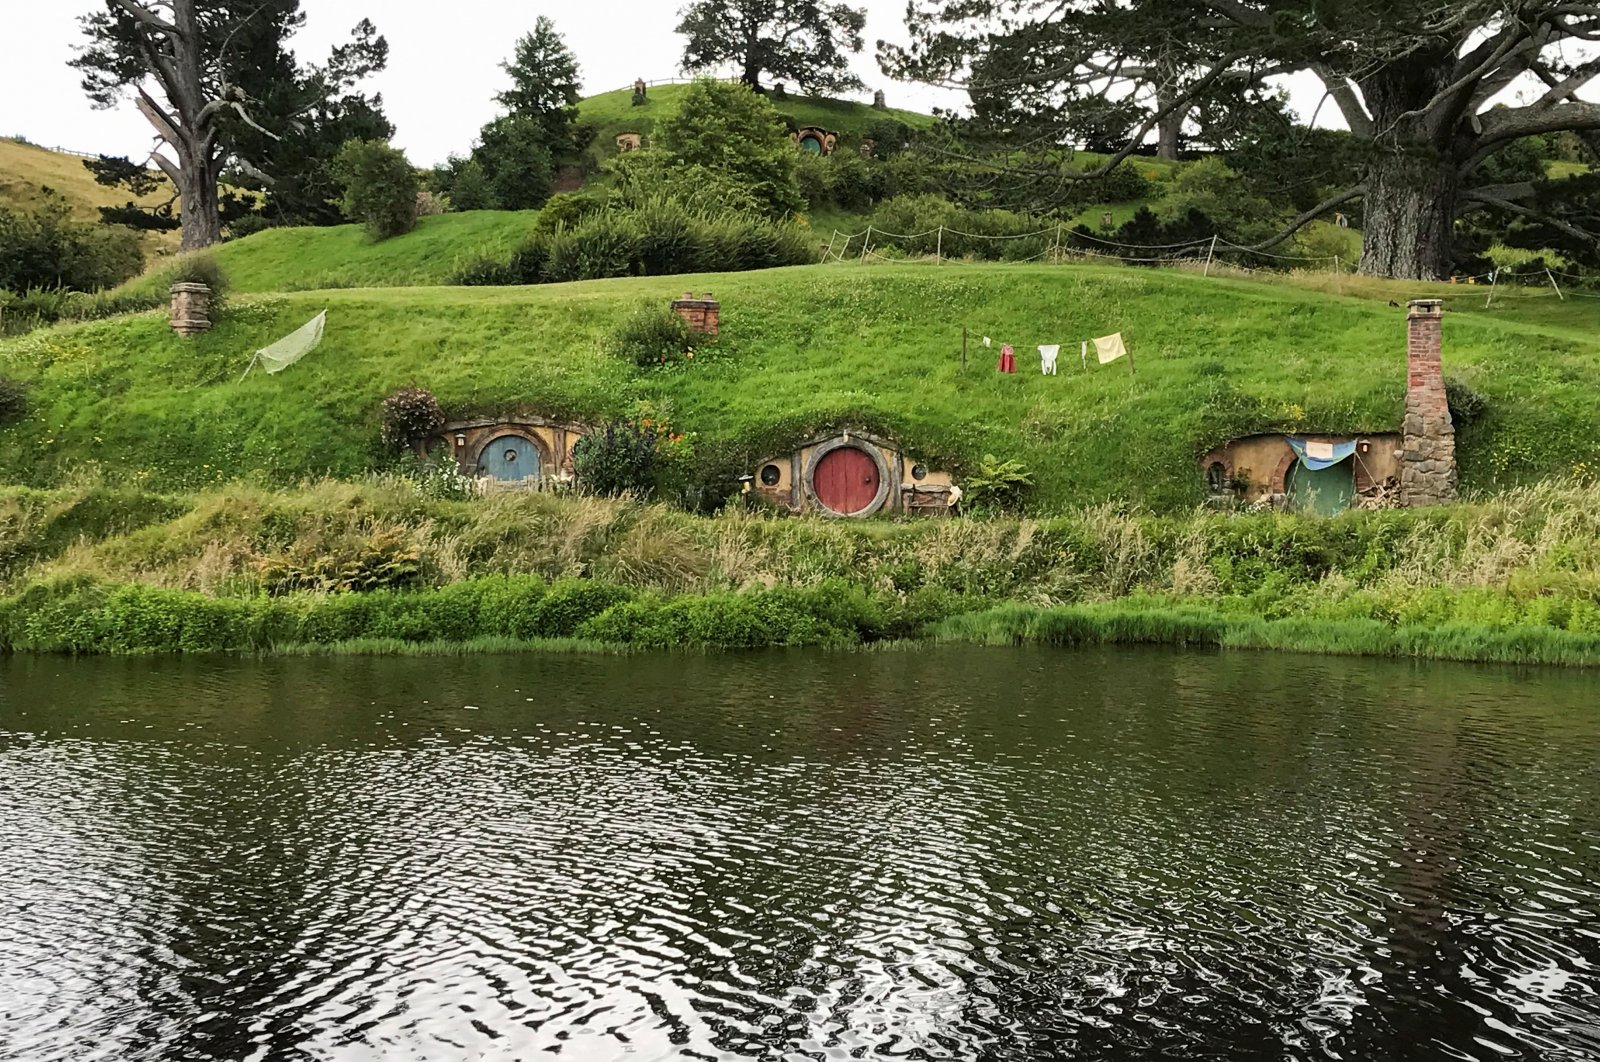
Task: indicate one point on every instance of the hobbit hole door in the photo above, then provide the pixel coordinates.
(846, 481)
(511, 458)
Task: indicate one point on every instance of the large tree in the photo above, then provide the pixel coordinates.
(310, 111)
(198, 72)
(1420, 83)
(804, 41)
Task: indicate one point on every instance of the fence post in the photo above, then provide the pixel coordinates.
(866, 242)
(938, 258)
(827, 256)
(1211, 252)
(1494, 282)
(1552, 278)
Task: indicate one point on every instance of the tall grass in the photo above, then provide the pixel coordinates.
(98, 568)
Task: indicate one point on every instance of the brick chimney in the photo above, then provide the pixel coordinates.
(1428, 467)
(702, 315)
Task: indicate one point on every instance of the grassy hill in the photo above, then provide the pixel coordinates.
(344, 256)
(613, 112)
(27, 170)
(876, 347)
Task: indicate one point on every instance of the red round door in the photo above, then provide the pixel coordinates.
(846, 480)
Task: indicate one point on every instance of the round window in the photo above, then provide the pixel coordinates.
(511, 457)
(919, 472)
(771, 476)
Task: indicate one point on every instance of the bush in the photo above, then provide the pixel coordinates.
(199, 267)
(661, 238)
(48, 248)
(652, 335)
(997, 484)
(1467, 405)
(730, 129)
(380, 187)
(624, 457)
(410, 415)
(13, 401)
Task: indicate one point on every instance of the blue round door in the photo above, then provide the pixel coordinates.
(510, 458)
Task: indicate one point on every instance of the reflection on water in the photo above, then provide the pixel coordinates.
(965, 854)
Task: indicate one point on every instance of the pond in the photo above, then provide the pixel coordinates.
(939, 854)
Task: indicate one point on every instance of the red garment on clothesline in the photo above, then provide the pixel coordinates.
(1008, 359)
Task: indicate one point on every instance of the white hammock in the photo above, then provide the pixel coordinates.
(291, 348)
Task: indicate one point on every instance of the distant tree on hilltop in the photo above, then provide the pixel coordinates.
(804, 41)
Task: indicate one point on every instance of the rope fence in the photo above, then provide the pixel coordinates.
(1210, 252)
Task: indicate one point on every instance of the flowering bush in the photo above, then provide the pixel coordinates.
(653, 336)
(627, 456)
(410, 415)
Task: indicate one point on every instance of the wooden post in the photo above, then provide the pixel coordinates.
(866, 242)
(1551, 277)
(1211, 252)
(938, 257)
(1494, 282)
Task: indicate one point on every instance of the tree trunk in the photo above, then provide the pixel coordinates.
(201, 214)
(1171, 137)
(1410, 214)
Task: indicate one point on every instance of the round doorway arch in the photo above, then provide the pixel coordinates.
(848, 477)
(511, 459)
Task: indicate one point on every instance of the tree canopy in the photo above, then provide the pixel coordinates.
(221, 89)
(1420, 83)
(729, 129)
(805, 41)
(518, 155)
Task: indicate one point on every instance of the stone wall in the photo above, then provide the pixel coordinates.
(1428, 467)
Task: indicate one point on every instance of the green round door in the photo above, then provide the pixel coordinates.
(1325, 493)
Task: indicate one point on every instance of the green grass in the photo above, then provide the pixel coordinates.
(344, 256)
(1119, 623)
(803, 349)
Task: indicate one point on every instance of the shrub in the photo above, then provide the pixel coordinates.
(997, 484)
(349, 565)
(196, 268)
(13, 400)
(410, 415)
(1467, 405)
(380, 187)
(48, 248)
(470, 189)
(662, 238)
(652, 335)
(622, 458)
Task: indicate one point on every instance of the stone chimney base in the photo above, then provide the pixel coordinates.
(191, 309)
(1428, 463)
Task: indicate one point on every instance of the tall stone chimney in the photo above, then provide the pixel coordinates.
(1428, 467)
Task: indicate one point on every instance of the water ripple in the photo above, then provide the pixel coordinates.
(961, 855)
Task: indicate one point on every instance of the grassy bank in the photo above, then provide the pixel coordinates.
(804, 349)
(110, 569)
